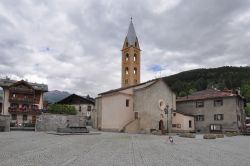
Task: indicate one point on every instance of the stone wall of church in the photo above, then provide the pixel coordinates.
(150, 103)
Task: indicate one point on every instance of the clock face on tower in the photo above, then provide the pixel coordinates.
(131, 55)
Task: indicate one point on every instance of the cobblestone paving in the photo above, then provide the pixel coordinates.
(111, 149)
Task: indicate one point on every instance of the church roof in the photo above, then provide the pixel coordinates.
(131, 35)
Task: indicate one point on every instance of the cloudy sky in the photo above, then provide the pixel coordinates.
(75, 45)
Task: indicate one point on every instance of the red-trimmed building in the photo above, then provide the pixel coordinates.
(22, 100)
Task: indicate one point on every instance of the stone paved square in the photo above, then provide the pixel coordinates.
(42, 149)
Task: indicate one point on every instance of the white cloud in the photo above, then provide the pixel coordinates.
(75, 45)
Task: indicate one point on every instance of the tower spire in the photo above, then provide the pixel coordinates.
(131, 58)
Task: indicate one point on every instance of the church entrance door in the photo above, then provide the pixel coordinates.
(161, 125)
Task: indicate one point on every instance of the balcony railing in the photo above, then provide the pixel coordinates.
(21, 100)
(26, 110)
(21, 90)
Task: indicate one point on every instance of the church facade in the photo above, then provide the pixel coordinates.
(135, 107)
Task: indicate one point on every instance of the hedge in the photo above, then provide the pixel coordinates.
(62, 109)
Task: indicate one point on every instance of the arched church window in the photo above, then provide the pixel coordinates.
(126, 71)
(135, 71)
(127, 57)
(135, 57)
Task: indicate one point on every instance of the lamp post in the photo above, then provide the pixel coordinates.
(166, 113)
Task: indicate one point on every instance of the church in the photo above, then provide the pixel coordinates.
(135, 107)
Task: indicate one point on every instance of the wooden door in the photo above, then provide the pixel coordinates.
(33, 119)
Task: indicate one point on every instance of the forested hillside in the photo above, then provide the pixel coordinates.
(223, 77)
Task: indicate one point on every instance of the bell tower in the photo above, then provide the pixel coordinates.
(131, 57)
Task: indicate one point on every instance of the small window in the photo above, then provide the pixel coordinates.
(135, 44)
(127, 57)
(218, 102)
(135, 71)
(178, 125)
(174, 114)
(136, 115)
(135, 58)
(199, 104)
(174, 125)
(127, 102)
(218, 117)
(190, 124)
(89, 108)
(215, 127)
(25, 117)
(80, 109)
(13, 116)
(126, 71)
(126, 44)
(199, 117)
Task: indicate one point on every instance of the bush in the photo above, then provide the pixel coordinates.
(209, 136)
(187, 135)
(62, 109)
(230, 134)
(219, 135)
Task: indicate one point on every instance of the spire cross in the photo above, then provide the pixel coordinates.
(131, 19)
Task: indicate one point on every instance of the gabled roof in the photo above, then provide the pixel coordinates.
(128, 87)
(8, 82)
(76, 99)
(22, 82)
(131, 35)
(207, 94)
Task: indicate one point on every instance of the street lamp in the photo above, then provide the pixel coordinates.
(166, 112)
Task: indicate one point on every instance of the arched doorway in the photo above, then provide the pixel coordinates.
(161, 125)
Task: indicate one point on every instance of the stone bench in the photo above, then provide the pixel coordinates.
(73, 129)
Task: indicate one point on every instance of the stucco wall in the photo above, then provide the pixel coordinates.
(50, 122)
(229, 110)
(146, 103)
(183, 120)
(115, 115)
(5, 121)
(84, 109)
(6, 103)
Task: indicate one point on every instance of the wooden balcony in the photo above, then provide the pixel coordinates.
(26, 111)
(21, 100)
(21, 90)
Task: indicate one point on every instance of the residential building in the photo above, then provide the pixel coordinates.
(214, 110)
(83, 105)
(22, 100)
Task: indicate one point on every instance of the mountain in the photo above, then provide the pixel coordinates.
(226, 77)
(55, 95)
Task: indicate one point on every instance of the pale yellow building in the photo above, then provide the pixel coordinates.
(135, 108)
